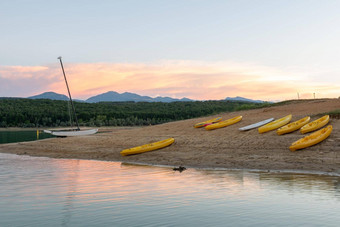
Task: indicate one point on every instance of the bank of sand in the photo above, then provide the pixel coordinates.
(196, 147)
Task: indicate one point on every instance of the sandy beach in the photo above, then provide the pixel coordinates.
(196, 147)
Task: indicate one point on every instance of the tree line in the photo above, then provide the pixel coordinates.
(21, 112)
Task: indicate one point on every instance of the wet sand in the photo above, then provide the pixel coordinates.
(196, 147)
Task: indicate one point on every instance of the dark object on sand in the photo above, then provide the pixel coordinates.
(180, 168)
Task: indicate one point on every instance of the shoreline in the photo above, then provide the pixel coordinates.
(101, 129)
(225, 148)
(293, 171)
(276, 171)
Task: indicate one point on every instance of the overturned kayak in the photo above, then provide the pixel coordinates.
(255, 125)
(208, 122)
(314, 125)
(291, 127)
(148, 147)
(312, 139)
(225, 123)
(275, 124)
(66, 133)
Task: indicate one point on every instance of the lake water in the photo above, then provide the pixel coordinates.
(60, 192)
(21, 136)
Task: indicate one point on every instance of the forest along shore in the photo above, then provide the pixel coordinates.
(196, 147)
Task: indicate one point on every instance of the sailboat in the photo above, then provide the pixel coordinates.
(71, 132)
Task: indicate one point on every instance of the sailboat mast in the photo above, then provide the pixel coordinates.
(69, 94)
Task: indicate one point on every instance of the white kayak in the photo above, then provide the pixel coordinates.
(72, 132)
(255, 125)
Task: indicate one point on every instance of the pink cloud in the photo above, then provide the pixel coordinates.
(192, 79)
(20, 72)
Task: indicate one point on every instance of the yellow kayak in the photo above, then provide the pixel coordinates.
(224, 123)
(293, 126)
(314, 125)
(148, 147)
(205, 123)
(275, 124)
(312, 139)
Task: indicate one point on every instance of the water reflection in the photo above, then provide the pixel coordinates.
(21, 136)
(72, 181)
(296, 183)
(238, 179)
(43, 191)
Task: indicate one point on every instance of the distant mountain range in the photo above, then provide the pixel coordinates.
(241, 99)
(113, 96)
(110, 96)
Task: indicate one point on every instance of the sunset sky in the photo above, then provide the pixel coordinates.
(258, 49)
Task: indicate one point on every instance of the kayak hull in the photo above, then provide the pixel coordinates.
(225, 123)
(314, 125)
(291, 127)
(208, 122)
(148, 147)
(312, 139)
(275, 124)
(256, 125)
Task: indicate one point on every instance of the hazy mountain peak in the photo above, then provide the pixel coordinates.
(50, 95)
(239, 98)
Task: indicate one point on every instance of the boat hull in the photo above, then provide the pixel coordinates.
(312, 139)
(255, 125)
(314, 125)
(275, 124)
(72, 132)
(224, 123)
(208, 122)
(291, 127)
(148, 147)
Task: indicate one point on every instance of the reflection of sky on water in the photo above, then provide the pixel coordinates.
(20, 136)
(40, 191)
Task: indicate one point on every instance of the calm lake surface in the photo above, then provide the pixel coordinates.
(60, 192)
(21, 136)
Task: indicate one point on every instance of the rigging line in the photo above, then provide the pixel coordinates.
(69, 93)
(69, 113)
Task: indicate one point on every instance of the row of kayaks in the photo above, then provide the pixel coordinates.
(303, 124)
(282, 126)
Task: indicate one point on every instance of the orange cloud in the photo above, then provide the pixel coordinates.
(192, 79)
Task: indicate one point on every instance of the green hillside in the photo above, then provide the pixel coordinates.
(18, 112)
